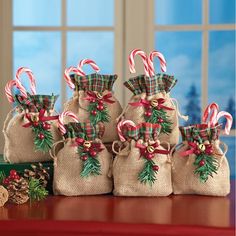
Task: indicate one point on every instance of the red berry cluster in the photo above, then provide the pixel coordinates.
(208, 149)
(100, 106)
(13, 176)
(45, 126)
(148, 113)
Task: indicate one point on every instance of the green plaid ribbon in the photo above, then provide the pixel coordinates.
(34, 103)
(85, 130)
(94, 82)
(151, 85)
(200, 132)
(146, 131)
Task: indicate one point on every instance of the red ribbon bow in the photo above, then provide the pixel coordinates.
(147, 104)
(41, 117)
(93, 97)
(197, 149)
(149, 151)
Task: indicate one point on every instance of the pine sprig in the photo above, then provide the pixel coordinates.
(148, 174)
(36, 190)
(91, 167)
(160, 114)
(101, 116)
(206, 166)
(45, 143)
(2, 176)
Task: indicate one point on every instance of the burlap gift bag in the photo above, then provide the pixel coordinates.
(82, 166)
(151, 101)
(142, 166)
(200, 165)
(93, 99)
(30, 128)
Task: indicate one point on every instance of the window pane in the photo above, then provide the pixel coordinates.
(230, 141)
(222, 70)
(169, 12)
(98, 46)
(182, 51)
(90, 12)
(222, 11)
(41, 52)
(36, 13)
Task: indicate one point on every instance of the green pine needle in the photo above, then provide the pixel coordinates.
(166, 125)
(101, 116)
(148, 175)
(2, 176)
(36, 190)
(211, 165)
(91, 167)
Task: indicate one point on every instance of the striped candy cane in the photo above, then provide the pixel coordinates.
(67, 75)
(30, 74)
(61, 120)
(229, 120)
(144, 59)
(120, 126)
(214, 108)
(8, 89)
(89, 62)
(151, 65)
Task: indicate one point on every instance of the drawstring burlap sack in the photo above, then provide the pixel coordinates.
(200, 165)
(151, 102)
(94, 100)
(31, 131)
(82, 166)
(142, 167)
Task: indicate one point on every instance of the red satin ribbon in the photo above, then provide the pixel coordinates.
(94, 145)
(195, 150)
(91, 96)
(42, 118)
(145, 103)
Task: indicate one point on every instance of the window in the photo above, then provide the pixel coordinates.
(197, 39)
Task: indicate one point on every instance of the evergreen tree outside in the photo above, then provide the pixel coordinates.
(193, 109)
(231, 109)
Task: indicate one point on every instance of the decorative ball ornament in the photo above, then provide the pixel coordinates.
(197, 152)
(202, 147)
(35, 123)
(209, 151)
(160, 120)
(84, 157)
(94, 113)
(93, 153)
(87, 144)
(150, 149)
(100, 107)
(41, 136)
(202, 163)
(149, 156)
(46, 126)
(148, 113)
(155, 167)
(154, 103)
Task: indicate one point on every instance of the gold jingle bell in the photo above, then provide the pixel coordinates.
(99, 95)
(34, 118)
(202, 147)
(150, 149)
(154, 103)
(87, 144)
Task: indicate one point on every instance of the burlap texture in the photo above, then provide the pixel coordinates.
(78, 105)
(128, 164)
(186, 182)
(19, 141)
(136, 114)
(67, 168)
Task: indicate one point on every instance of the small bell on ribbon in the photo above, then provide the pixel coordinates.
(150, 149)
(202, 147)
(154, 103)
(34, 118)
(99, 95)
(87, 144)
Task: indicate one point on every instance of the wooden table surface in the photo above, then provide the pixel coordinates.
(109, 215)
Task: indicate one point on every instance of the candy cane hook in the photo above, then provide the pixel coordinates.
(89, 62)
(161, 59)
(8, 90)
(144, 59)
(61, 120)
(30, 74)
(229, 120)
(214, 108)
(120, 126)
(67, 75)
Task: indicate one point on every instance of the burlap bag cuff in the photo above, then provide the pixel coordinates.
(151, 85)
(94, 82)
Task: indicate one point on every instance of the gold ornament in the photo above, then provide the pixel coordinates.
(87, 144)
(34, 118)
(99, 95)
(150, 149)
(154, 103)
(202, 147)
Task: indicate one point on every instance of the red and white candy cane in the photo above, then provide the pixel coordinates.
(30, 74)
(8, 90)
(144, 57)
(89, 62)
(120, 126)
(67, 75)
(212, 109)
(61, 120)
(151, 65)
(229, 120)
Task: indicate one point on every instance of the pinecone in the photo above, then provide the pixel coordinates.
(18, 190)
(38, 172)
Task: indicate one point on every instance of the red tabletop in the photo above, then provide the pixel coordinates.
(109, 215)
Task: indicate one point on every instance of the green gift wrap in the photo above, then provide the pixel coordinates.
(20, 167)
